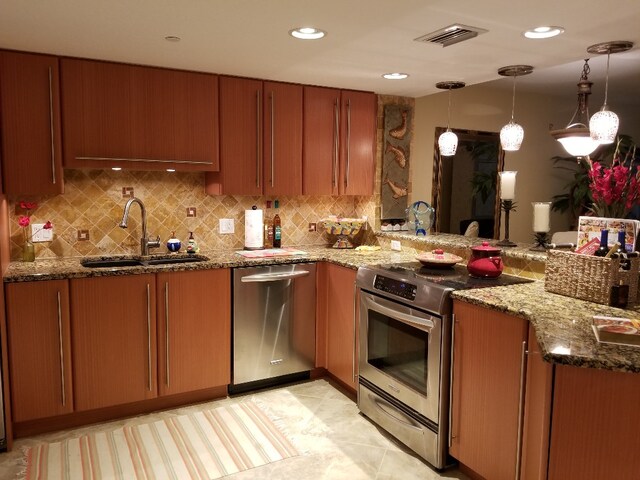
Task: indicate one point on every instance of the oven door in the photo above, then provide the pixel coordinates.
(400, 349)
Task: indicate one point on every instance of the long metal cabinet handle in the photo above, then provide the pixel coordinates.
(51, 127)
(355, 326)
(346, 175)
(336, 142)
(149, 333)
(273, 277)
(453, 337)
(273, 101)
(166, 326)
(523, 358)
(258, 136)
(62, 383)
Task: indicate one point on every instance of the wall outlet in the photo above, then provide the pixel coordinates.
(312, 227)
(395, 245)
(40, 234)
(226, 225)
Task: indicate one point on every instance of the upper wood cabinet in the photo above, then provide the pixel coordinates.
(143, 118)
(488, 390)
(113, 320)
(39, 349)
(260, 139)
(30, 124)
(339, 142)
(194, 330)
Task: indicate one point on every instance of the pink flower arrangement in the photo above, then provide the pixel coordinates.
(615, 189)
(25, 220)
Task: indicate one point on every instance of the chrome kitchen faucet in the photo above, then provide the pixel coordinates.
(145, 243)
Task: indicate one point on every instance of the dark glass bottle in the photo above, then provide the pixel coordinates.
(603, 249)
(625, 264)
(277, 231)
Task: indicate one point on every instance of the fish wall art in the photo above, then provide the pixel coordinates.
(396, 151)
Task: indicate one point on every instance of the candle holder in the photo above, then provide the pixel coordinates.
(507, 206)
(541, 242)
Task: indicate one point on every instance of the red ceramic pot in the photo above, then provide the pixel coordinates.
(485, 261)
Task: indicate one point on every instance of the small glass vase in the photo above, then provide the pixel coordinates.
(28, 252)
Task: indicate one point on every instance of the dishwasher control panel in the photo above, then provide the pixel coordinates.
(395, 287)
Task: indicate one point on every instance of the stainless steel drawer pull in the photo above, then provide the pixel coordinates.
(51, 127)
(523, 359)
(273, 127)
(166, 326)
(355, 332)
(336, 142)
(149, 334)
(346, 175)
(144, 160)
(60, 344)
(258, 137)
(453, 345)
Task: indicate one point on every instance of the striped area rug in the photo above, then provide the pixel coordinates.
(203, 445)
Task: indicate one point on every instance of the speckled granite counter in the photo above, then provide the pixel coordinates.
(53, 269)
(562, 325)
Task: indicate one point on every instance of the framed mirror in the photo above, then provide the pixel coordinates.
(465, 187)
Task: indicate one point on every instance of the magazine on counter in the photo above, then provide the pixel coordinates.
(589, 228)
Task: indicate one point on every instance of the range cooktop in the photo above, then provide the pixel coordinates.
(427, 288)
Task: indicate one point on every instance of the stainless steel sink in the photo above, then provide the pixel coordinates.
(115, 262)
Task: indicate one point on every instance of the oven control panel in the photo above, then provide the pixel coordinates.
(395, 287)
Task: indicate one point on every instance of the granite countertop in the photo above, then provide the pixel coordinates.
(562, 325)
(53, 269)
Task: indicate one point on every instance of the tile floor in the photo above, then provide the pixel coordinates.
(336, 442)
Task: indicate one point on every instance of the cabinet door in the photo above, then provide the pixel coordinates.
(194, 330)
(488, 369)
(240, 139)
(143, 118)
(358, 140)
(39, 353)
(30, 124)
(114, 340)
(321, 141)
(342, 325)
(282, 139)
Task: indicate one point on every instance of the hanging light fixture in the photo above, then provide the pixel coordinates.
(603, 126)
(575, 137)
(448, 141)
(512, 134)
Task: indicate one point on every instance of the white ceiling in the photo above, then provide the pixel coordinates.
(365, 38)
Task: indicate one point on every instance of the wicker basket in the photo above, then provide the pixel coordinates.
(588, 277)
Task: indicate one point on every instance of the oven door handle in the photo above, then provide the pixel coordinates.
(422, 323)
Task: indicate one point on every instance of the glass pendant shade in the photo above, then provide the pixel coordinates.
(511, 136)
(604, 126)
(579, 144)
(448, 143)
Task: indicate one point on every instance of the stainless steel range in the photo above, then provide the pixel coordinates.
(405, 350)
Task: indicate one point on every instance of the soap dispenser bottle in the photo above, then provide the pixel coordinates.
(277, 228)
(192, 246)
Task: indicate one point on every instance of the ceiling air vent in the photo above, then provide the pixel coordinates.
(452, 34)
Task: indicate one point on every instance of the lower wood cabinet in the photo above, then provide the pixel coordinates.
(194, 330)
(113, 320)
(39, 349)
(488, 388)
(341, 324)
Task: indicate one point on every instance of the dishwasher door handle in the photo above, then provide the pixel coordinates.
(273, 277)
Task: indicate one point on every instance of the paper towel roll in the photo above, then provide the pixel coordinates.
(253, 230)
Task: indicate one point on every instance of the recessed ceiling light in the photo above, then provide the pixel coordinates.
(395, 76)
(116, 169)
(172, 38)
(171, 169)
(307, 33)
(543, 32)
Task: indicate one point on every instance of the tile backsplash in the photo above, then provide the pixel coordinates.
(87, 215)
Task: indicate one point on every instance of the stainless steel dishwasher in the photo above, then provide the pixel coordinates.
(274, 323)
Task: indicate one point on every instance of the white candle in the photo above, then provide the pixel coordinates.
(541, 211)
(508, 185)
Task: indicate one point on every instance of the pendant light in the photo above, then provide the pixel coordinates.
(512, 134)
(604, 124)
(575, 137)
(448, 141)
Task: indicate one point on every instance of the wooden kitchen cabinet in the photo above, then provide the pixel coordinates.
(194, 330)
(30, 124)
(143, 118)
(341, 324)
(113, 320)
(339, 142)
(39, 349)
(260, 139)
(488, 375)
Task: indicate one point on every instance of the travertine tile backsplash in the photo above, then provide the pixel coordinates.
(93, 201)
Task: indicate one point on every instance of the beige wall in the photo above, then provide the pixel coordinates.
(482, 107)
